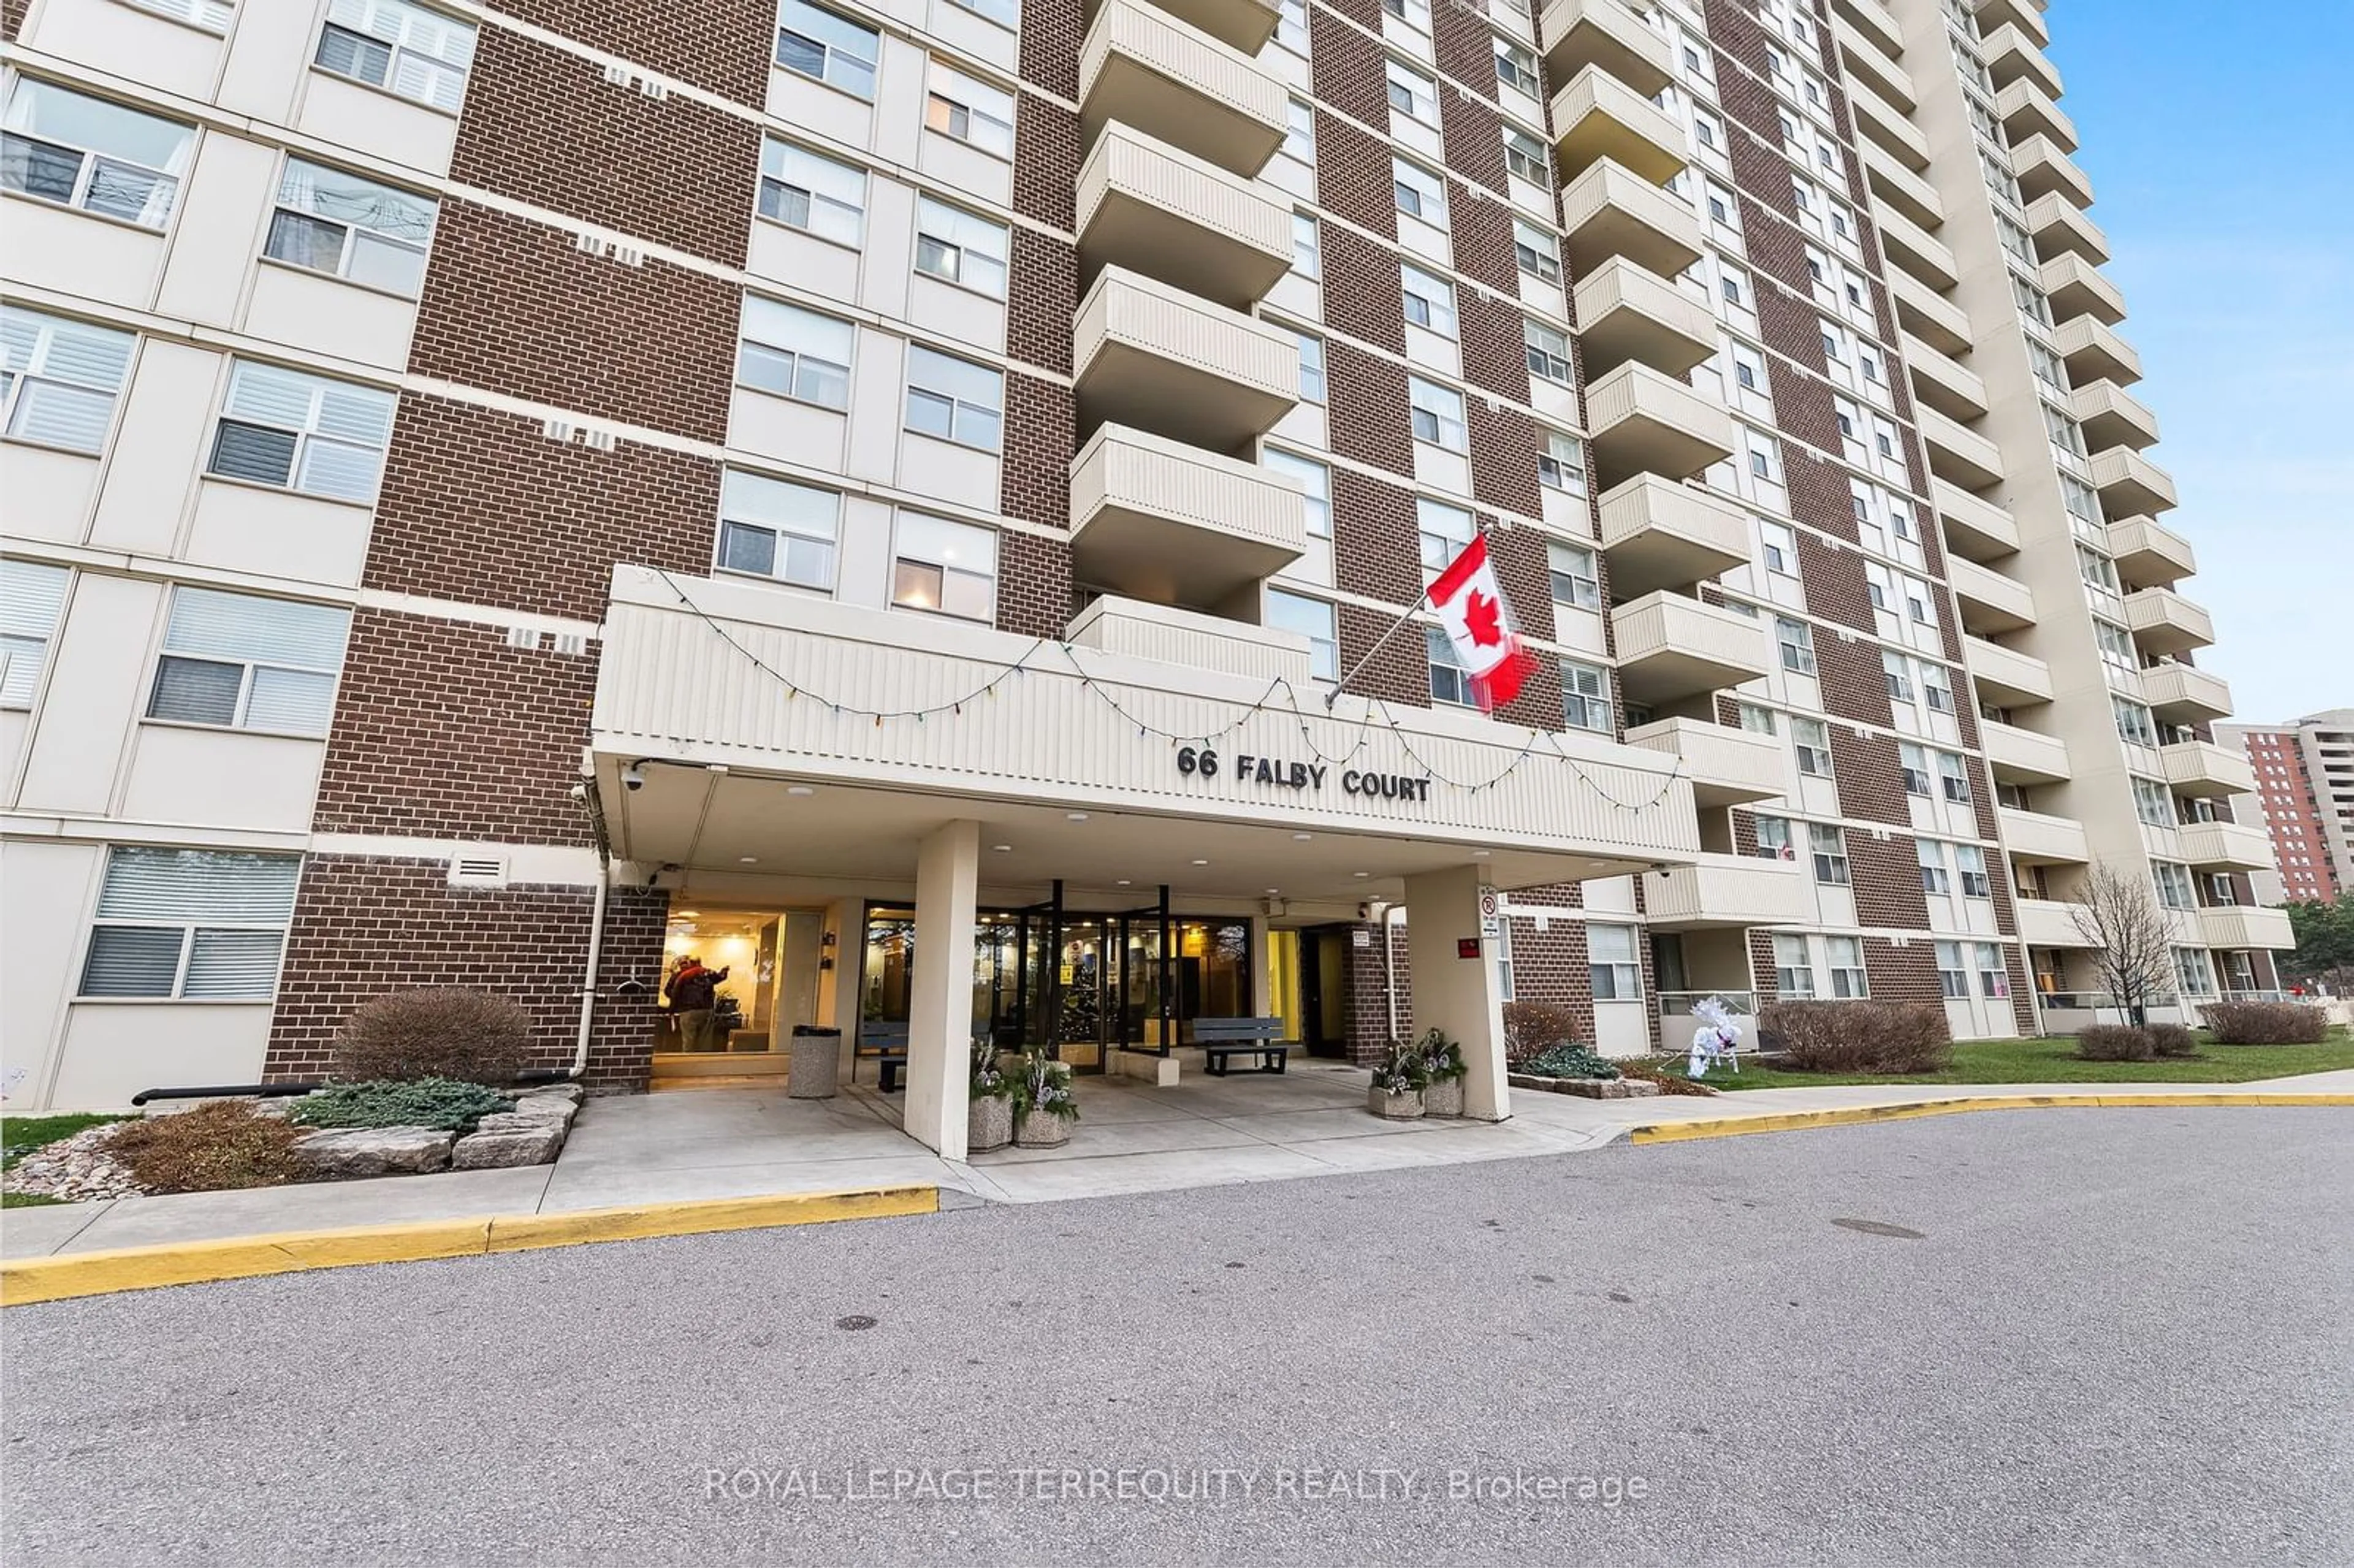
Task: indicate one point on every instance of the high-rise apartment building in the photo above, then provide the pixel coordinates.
(2304, 785)
(510, 495)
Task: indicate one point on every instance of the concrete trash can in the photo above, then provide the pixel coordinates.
(817, 1058)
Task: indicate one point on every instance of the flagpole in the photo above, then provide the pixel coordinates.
(1333, 695)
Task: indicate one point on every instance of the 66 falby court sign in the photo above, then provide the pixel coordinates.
(1247, 770)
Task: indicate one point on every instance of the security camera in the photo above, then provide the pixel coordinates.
(579, 792)
(633, 777)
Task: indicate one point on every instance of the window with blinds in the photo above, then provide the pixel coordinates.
(201, 924)
(303, 432)
(246, 663)
(59, 378)
(31, 594)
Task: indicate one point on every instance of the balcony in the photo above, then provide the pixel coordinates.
(2006, 677)
(1170, 636)
(1941, 383)
(1872, 65)
(1175, 83)
(2163, 621)
(2023, 757)
(1928, 315)
(2130, 484)
(2027, 16)
(2047, 923)
(1975, 530)
(1159, 359)
(1609, 211)
(1242, 25)
(1729, 890)
(2011, 54)
(1670, 647)
(1959, 456)
(1661, 535)
(2037, 838)
(1991, 601)
(1871, 19)
(2093, 352)
(2044, 170)
(1900, 188)
(2075, 289)
(2149, 555)
(1647, 422)
(1159, 520)
(2026, 110)
(1898, 136)
(2181, 693)
(1145, 206)
(1911, 248)
(1607, 35)
(2112, 417)
(2225, 846)
(1625, 312)
(2204, 771)
(1598, 116)
(2246, 925)
(1727, 767)
(2060, 228)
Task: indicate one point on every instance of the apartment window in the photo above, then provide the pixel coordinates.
(969, 111)
(1868, 363)
(1004, 13)
(1525, 156)
(197, 925)
(1429, 302)
(825, 48)
(91, 153)
(1969, 862)
(1849, 982)
(1918, 602)
(2152, 802)
(1755, 719)
(302, 432)
(1537, 252)
(1306, 245)
(2083, 500)
(1291, 25)
(405, 49)
(1299, 128)
(1953, 976)
(212, 16)
(239, 661)
(1936, 688)
(1811, 738)
(2097, 569)
(1315, 485)
(1830, 848)
(1610, 956)
(1562, 464)
(1415, 12)
(1849, 418)
(1412, 93)
(1443, 531)
(2117, 646)
(1913, 762)
(1749, 367)
(1878, 584)
(774, 528)
(1312, 368)
(1774, 840)
(1517, 68)
(1781, 549)
(1708, 130)
(1954, 778)
(2192, 972)
(32, 595)
(329, 221)
(1733, 285)
(954, 399)
(1438, 413)
(1900, 518)
(815, 195)
(1994, 975)
(1883, 437)
(1448, 683)
(1794, 969)
(58, 378)
(1897, 670)
(1548, 351)
(1796, 641)
(1570, 568)
(2030, 301)
(1311, 619)
(1419, 193)
(1932, 856)
(1764, 458)
(794, 353)
(950, 568)
(2175, 888)
(2135, 726)
(2049, 368)
(1586, 697)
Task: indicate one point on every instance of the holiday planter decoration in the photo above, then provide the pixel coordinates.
(1045, 1107)
(1443, 1072)
(990, 1092)
(1395, 1093)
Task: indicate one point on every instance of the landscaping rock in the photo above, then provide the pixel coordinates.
(76, 1168)
(1589, 1088)
(522, 1140)
(544, 1108)
(348, 1153)
(570, 1091)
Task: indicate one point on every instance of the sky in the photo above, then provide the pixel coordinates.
(2215, 138)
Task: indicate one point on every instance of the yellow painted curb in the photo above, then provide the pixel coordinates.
(1849, 1116)
(68, 1275)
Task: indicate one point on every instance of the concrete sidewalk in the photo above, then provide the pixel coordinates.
(640, 1151)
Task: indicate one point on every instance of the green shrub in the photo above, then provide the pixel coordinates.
(1567, 1061)
(1531, 1027)
(2115, 1043)
(2266, 1023)
(446, 1103)
(1871, 1037)
(217, 1146)
(446, 1033)
(2172, 1040)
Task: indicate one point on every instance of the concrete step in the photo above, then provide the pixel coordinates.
(721, 1064)
(659, 1086)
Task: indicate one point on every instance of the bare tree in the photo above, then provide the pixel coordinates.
(2119, 918)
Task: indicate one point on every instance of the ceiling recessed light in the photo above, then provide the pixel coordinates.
(1124, 882)
(747, 860)
(799, 790)
(1201, 862)
(1301, 838)
(690, 914)
(1365, 873)
(1075, 816)
(1002, 848)
(1478, 855)
(1274, 890)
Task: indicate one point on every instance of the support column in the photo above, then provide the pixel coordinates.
(1262, 979)
(1457, 995)
(939, 1012)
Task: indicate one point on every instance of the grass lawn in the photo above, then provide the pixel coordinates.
(2054, 1061)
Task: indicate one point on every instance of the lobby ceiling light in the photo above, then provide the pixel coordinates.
(1075, 816)
(747, 860)
(1124, 882)
(1478, 855)
(1002, 848)
(1365, 873)
(799, 790)
(1301, 838)
(1201, 862)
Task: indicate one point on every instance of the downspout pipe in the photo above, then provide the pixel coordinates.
(1389, 965)
(594, 808)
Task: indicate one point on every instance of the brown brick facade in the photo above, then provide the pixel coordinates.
(1034, 476)
(1363, 297)
(1034, 585)
(1041, 293)
(1369, 416)
(724, 46)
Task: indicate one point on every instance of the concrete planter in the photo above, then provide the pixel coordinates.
(1590, 1089)
(1036, 1129)
(1443, 1099)
(1407, 1107)
(988, 1124)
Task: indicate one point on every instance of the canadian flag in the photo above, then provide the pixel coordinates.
(1480, 624)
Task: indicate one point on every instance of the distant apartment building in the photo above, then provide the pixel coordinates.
(926, 505)
(2305, 784)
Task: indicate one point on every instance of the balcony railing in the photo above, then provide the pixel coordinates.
(2181, 693)
(1670, 647)
(2075, 287)
(1626, 313)
(1141, 65)
(1941, 382)
(2047, 923)
(1146, 206)
(1608, 36)
(2225, 846)
(2035, 837)
(1598, 116)
(1728, 766)
(1991, 601)
(1159, 359)
(2027, 110)
(1958, 456)
(2113, 417)
(1975, 529)
(1647, 422)
(2023, 757)
(1161, 520)
(2094, 352)
(2203, 770)
(2130, 484)
(1611, 211)
(1662, 534)
(2247, 926)
(2005, 676)
(1927, 314)
(1727, 890)
(2148, 552)
(2043, 169)
(2060, 226)
(2163, 621)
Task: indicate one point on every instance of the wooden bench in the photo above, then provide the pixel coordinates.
(887, 1043)
(1220, 1038)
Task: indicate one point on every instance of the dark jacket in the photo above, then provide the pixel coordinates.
(694, 989)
